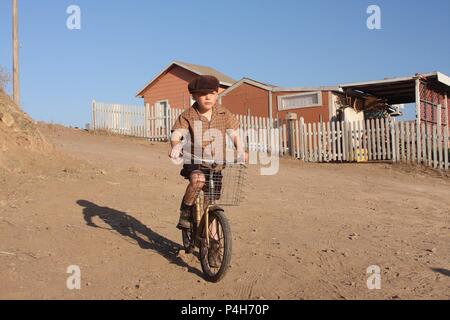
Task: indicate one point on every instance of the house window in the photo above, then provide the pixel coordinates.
(297, 101)
(161, 113)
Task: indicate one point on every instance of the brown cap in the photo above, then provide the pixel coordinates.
(204, 84)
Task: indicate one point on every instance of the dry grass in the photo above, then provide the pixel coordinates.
(20, 139)
(4, 79)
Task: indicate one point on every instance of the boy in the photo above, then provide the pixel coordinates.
(205, 125)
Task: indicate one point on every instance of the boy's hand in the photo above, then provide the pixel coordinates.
(175, 153)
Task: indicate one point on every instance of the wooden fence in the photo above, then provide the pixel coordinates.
(155, 123)
(359, 141)
(371, 140)
(152, 122)
(120, 119)
(263, 135)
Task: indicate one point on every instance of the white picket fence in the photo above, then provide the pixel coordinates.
(260, 134)
(155, 123)
(120, 119)
(152, 122)
(359, 141)
(371, 140)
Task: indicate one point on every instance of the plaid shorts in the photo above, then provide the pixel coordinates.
(215, 174)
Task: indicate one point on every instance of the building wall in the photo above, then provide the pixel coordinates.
(247, 98)
(172, 86)
(310, 114)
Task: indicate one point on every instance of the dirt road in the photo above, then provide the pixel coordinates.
(309, 232)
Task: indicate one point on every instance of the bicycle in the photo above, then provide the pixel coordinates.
(223, 187)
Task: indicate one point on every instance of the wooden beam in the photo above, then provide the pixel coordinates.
(418, 101)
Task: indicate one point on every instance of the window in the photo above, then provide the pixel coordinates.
(161, 113)
(303, 100)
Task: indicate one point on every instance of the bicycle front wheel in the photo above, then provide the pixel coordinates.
(216, 258)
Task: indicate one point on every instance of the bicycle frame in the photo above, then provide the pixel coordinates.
(201, 219)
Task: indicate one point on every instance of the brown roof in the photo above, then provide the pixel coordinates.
(195, 68)
(203, 70)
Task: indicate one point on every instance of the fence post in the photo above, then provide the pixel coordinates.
(413, 142)
(392, 129)
(344, 141)
(338, 141)
(439, 134)
(383, 139)
(302, 138)
(428, 126)
(378, 139)
(94, 115)
(291, 117)
(397, 142)
(319, 140)
(297, 138)
(446, 149)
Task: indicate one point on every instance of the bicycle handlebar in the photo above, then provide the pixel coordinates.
(210, 161)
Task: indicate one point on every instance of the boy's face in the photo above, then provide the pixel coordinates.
(206, 100)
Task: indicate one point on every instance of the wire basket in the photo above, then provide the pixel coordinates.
(225, 187)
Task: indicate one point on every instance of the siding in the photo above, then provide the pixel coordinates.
(311, 114)
(247, 97)
(172, 86)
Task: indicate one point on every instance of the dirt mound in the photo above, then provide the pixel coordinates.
(22, 145)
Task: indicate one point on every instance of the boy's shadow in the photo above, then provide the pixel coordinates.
(130, 227)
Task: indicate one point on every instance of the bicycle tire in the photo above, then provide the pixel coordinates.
(227, 248)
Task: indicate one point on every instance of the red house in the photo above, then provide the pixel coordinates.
(249, 96)
(169, 87)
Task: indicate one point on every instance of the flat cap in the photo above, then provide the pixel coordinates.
(204, 84)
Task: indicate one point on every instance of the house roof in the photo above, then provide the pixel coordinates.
(400, 89)
(273, 88)
(195, 68)
(306, 89)
(395, 90)
(252, 82)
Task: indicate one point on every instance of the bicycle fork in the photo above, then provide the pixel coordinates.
(199, 215)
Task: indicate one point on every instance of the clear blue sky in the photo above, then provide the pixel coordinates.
(123, 44)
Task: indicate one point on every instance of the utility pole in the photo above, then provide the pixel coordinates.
(16, 91)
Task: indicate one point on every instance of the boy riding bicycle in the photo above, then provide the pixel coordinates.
(205, 127)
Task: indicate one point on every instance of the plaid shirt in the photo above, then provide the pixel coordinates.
(200, 129)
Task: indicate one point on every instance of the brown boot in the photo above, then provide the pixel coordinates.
(185, 220)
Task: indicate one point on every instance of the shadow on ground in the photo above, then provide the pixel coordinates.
(445, 272)
(130, 227)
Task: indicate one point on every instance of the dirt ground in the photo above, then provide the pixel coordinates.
(309, 232)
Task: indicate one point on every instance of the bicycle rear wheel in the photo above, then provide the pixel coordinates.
(219, 250)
